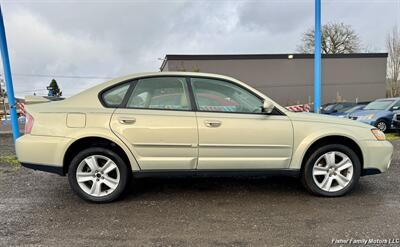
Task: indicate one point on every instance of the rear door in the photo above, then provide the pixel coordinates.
(158, 124)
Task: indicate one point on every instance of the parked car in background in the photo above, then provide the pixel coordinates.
(331, 108)
(378, 113)
(345, 112)
(396, 122)
(187, 124)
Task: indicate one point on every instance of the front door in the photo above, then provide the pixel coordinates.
(159, 125)
(233, 131)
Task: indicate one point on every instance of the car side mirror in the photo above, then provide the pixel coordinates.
(395, 108)
(268, 107)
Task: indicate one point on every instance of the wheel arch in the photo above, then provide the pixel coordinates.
(329, 139)
(83, 142)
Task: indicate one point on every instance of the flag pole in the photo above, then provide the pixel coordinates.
(317, 57)
(8, 79)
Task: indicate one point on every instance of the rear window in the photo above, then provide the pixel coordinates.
(113, 97)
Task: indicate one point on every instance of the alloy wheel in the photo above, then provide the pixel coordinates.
(333, 171)
(381, 126)
(97, 175)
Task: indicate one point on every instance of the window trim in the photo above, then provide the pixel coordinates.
(193, 104)
(128, 94)
(191, 94)
(136, 80)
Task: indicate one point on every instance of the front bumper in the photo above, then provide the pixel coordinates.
(396, 124)
(377, 156)
(41, 152)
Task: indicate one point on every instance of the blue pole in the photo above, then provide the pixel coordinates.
(8, 78)
(317, 57)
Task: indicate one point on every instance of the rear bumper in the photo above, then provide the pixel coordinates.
(33, 151)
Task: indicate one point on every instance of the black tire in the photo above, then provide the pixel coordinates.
(307, 177)
(124, 174)
(382, 122)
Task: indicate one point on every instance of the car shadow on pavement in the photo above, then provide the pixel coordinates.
(198, 185)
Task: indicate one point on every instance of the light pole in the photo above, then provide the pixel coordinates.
(8, 78)
(317, 57)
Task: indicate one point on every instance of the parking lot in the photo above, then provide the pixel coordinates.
(37, 208)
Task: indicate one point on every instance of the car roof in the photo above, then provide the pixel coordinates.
(395, 98)
(172, 73)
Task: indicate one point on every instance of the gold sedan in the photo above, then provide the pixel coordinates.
(179, 123)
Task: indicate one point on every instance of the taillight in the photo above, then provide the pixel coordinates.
(28, 123)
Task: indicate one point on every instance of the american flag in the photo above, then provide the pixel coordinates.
(299, 108)
(21, 108)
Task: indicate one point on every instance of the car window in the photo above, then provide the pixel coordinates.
(328, 107)
(160, 93)
(379, 105)
(222, 96)
(354, 108)
(113, 97)
(344, 108)
(396, 106)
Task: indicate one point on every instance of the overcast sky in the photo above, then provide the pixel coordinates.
(113, 38)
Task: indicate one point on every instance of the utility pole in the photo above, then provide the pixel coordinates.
(8, 78)
(317, 57)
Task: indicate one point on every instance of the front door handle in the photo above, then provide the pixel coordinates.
(127, 120)
(212, 123)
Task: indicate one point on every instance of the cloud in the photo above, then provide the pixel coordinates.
(276, 17)
(37, 48)
(112, 38)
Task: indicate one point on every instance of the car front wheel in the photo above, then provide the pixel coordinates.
(331, 170)
(382, 125)
(98, 175)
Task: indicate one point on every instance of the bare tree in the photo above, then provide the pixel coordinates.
(393, 70)
(336, 38)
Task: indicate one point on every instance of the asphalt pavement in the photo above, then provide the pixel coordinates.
(38, 208)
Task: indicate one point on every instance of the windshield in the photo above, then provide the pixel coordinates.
(379, 105)
(345, 108)
(354, 108)
(328, 107)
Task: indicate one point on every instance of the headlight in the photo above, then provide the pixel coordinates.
(366, 117)
(379, 135)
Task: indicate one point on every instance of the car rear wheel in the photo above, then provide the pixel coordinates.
(381, 125)
(98, 175)
(331, 170)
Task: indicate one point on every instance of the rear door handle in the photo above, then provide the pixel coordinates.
(127, 120)
(212, 123)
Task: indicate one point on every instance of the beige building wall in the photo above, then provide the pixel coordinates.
(289, 81)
